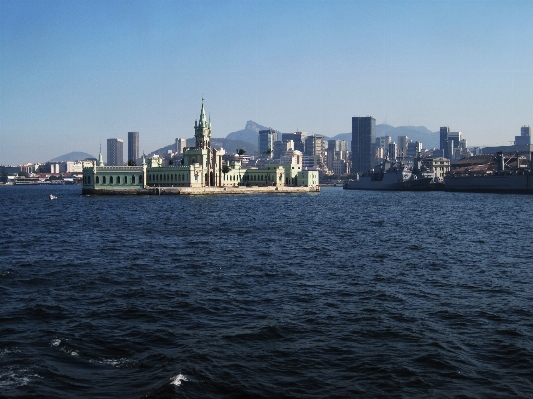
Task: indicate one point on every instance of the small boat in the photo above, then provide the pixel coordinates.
(53, 197)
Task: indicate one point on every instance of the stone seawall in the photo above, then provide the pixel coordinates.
(197, 190)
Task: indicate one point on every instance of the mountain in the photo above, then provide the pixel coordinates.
(422, 134)
(72, 156)
(250, 133)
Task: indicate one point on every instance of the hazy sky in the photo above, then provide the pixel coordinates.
(74, 73)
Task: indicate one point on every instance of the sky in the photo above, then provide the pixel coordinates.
(74, 73)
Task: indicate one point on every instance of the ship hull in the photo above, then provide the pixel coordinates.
(366, 183)
(491, 184)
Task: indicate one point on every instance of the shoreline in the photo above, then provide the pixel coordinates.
(199, 190)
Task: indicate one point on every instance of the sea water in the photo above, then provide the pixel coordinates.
(331, 294)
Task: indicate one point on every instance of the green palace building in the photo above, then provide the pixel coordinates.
(202, 168)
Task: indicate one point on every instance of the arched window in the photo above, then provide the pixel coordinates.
(88, 179)
(133, 179)
(175, 177)
(97, 179)
(103, 181)
(125, 179)
(110, 179)
(140, 179)
(118, 179)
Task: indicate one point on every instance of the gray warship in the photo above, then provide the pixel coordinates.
(504, 179)
(395, 177)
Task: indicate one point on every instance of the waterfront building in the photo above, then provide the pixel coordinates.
(266, 141)
(440, 166)
(363, 143)
(201, 167)
(133, 147)
(115, 152)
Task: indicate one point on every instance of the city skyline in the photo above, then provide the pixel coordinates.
(76, 73)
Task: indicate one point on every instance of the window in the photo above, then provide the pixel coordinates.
(140, 179)
(118, 179)
(97, 179)
(103, 180)
(125, 179)
(133, 179)
(88, 179)
(110, 179)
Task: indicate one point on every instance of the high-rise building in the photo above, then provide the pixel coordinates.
(133, 146)
(413, 149)
(363, 143)
(297, 137)
(281, 148)
(266, 142)
(314, 145)
(180, 145)
(444, 130)
(115, 152)
(383, 143)
(525, 136)
(393, 151)
(402, 147)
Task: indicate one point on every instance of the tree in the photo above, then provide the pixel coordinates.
(240, 151)
(225, 169)
(268, 151)
(23, 173)
(171, 162)
(131, 162)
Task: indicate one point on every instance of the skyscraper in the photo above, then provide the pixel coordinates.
(133, 146)
(314, 145)
(266, 142)
(297, 137)
(444, 130)
(525, 131)
(180, 145)
(363, 143)
(115, 152)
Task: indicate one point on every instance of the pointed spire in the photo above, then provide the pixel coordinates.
(100, 157)
(202, 121)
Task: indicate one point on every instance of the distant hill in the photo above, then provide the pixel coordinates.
(72, 156)
(249, 134)
(422, 134)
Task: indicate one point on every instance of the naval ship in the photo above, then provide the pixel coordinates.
(394, 177)
(504, 179)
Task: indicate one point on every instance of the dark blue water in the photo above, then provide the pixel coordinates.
(335, 294)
